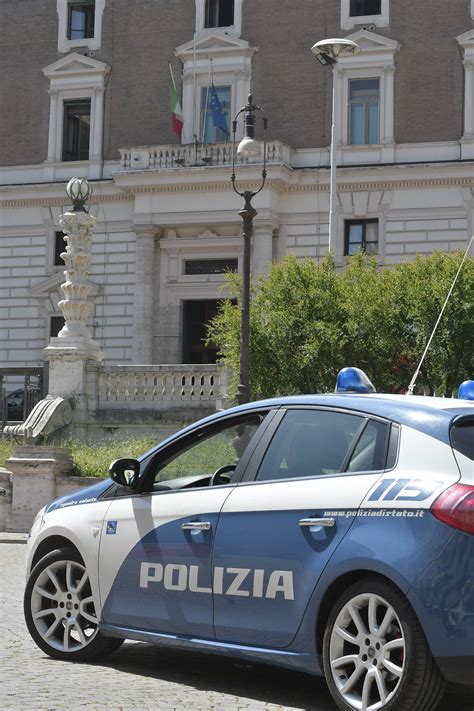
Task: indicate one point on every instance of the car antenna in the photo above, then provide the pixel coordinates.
(413, 380)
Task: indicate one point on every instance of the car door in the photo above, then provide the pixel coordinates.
(155, 553)
(278, 531)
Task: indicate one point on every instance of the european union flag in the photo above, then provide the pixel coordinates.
(218, 118)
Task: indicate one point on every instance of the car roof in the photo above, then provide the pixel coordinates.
(430, 415)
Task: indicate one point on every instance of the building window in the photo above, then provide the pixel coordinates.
(210, 266)
(55, 325)
(79, 24)
(212, 14)
(210, 132)
(80, 19)
(358, 12)
(59, 247)
(364, 101)
(365, 7)
(361, 236)
(76, 129)
(219, 13)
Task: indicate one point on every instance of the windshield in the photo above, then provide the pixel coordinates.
(462, 437)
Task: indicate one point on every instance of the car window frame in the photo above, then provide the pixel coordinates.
(187, 439)
(251, 471)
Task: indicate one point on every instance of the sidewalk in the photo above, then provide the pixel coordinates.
(6, 537)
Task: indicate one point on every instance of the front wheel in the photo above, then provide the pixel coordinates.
(375, 654)
(60, 611)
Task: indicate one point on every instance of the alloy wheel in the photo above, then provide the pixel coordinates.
(367, 652)
(62, 606)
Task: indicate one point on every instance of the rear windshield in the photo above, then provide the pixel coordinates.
(462, 438)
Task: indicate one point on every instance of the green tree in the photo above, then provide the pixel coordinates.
(308, 320)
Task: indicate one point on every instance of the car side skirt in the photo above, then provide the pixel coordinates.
(299, 661)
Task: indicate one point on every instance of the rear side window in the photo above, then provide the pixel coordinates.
(371, 449)
(462, 438)
(309, 443)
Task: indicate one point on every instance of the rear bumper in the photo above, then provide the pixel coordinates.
(459, 670)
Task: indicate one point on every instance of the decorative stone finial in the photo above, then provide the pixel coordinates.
(79, 191)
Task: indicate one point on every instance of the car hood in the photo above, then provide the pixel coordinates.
(84, 496)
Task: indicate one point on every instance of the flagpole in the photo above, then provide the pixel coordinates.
(207, 101)
(194, 94)
(172, 77)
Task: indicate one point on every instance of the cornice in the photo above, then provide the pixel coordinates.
(59, 201)
(277, 184)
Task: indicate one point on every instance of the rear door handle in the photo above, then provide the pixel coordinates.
(196, 526)
(326, 522)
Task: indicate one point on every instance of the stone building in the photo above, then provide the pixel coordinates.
(85, 91)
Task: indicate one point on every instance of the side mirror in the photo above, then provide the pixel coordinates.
(125, 472)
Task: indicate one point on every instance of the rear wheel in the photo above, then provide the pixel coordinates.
(60, 610)
(375, 654)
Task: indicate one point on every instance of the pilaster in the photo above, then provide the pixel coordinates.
(144, 290)
(262, 253)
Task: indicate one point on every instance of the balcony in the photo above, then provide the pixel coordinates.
(194, 156)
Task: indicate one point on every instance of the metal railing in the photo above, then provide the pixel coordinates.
(21, 388)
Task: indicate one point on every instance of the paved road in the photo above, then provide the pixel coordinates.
(144, 677)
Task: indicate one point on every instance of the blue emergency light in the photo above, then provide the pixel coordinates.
(466, 390)
(353, 380)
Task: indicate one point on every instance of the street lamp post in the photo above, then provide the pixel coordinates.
(248, 148)
(327, 52)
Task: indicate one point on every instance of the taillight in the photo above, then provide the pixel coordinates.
(455, 506)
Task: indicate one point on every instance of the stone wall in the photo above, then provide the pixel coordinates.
(139, 39)
(33, 477)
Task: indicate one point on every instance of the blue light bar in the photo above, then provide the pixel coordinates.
(466, 390)
(353, 380)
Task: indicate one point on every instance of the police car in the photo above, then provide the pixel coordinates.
(331, 534)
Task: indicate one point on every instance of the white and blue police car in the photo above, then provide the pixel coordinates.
(331, 534)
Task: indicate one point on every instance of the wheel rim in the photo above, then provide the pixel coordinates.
(62, 606)
(367, 652)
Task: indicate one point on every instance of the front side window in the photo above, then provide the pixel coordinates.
(81, 14)
(365, 7)
(207, 454)
(76, 133)
(364, 103)
(215, 118)
(310, 443)
(361, 236)
(219, 13)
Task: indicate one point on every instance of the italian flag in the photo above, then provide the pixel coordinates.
(177, 119)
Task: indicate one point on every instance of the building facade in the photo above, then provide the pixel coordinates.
(89, 97)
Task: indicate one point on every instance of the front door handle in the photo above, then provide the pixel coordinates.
(196, 526)
(326, 522)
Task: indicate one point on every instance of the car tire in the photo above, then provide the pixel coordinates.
(375, 654)
(60, 612)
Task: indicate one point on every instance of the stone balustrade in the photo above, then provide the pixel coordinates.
(191, 155)
(151, 386)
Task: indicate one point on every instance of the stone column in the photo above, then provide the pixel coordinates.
(468, 99)
(262, 253)
(144, 286)
(53, 121)
(74, 345)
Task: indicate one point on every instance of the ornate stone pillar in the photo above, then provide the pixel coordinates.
(262, 253)
(142, 350)
(74, 344)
